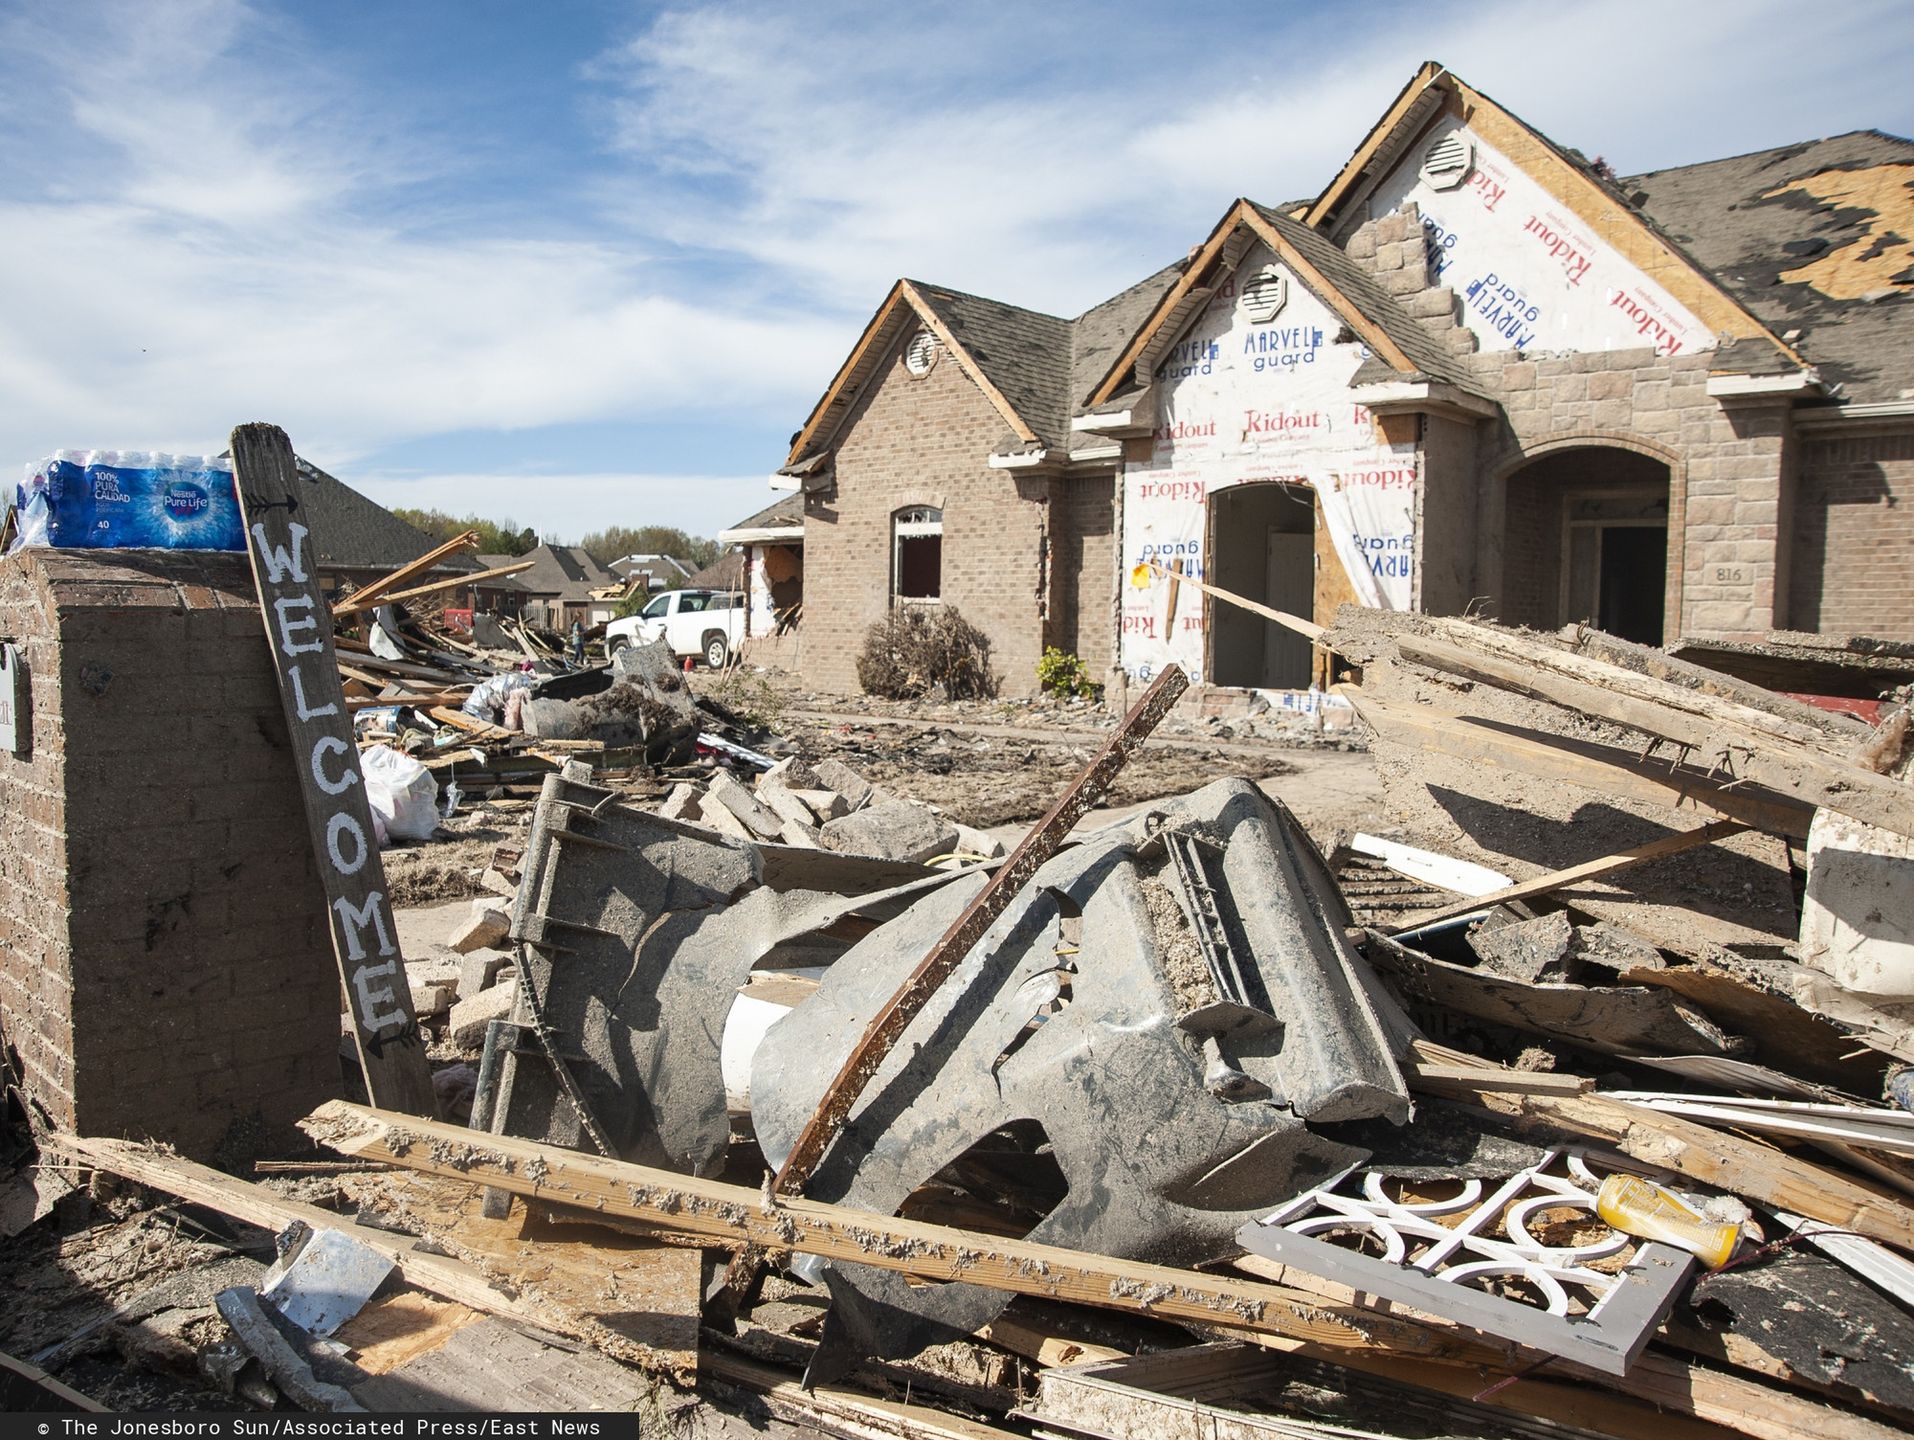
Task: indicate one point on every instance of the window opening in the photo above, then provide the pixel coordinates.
(917, 570)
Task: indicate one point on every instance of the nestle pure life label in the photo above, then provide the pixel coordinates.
(109, 499)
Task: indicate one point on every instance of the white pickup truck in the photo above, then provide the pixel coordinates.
(706, 623)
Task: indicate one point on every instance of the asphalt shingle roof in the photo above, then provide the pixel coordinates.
(351, 531)
(564, 571)
(1024, 353)
(1751, 219)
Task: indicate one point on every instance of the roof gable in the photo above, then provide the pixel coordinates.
(1398, 341)
(1589, 196)
(1004, 332)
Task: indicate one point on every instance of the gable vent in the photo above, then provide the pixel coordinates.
(1264, 294)
(921, 353)
(1446, 163)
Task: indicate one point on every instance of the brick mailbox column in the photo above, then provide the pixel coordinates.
(165, 969)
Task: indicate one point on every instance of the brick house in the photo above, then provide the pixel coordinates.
(1476, 370)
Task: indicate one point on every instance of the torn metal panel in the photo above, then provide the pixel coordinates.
(1064, 1017)
(635, 933)
(1435, 1253)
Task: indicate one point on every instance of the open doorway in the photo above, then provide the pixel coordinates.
(1586, 541)
(1263, 547)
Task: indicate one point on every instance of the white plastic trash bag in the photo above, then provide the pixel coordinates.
(404, 796)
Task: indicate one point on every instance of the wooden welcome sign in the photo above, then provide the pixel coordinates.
(338, 815)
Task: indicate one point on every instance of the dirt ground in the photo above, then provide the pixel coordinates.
(992, 765)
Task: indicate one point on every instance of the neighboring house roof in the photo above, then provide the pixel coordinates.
(782, 520)
(1815, 238)
(564, 572)
(1589, 192)
(661, 566)
(724, 573)
(504, 582)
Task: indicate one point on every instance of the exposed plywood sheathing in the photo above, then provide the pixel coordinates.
(1882, 253)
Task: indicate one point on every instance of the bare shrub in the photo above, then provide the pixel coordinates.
(918, 650)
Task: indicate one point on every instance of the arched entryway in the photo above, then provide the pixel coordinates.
(1262, 545)
(1585, 538)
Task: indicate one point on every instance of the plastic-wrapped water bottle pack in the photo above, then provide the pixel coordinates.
(129, 499)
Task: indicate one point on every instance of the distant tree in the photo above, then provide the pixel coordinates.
(616, 541)
(502, 537)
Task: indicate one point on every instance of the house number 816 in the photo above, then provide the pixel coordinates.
(1729, 575)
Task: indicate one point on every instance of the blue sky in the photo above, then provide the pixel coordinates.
(585, 263)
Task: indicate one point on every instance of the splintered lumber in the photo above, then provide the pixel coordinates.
(1309, 629)
(1730, 748)
(734, 1215)
(1609, 770)
(836, 1410)
(472, 725)
(324, 755)
(1729, 1162)
(367, 595)
(470, 577)
(1576, 874)
(255, 1205)
(1030, 856)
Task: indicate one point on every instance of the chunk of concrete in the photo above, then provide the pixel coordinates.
(724, 790)
(975, 842)
(465, 1027)
(1533, 950)
(486, 929)
(432, 995)
(480, 970)
(805, 837)
(825, 804)
(793, 772)
(683, 803)
(719, 818)
(897, 830)
(836, 775)
(785, 805)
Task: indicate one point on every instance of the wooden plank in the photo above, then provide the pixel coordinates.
(367, 595)
(1576, 874)
(1607, 769)
(1308, 628)
(450, 582)
(963, 933)
(836, 1410)
(326, 757)
(1734, 751)
(737, 1215)
(1714, 1157)
(256, 1205)
(1786, 723)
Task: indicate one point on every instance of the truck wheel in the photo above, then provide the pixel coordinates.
(717, 650)
(614, 645)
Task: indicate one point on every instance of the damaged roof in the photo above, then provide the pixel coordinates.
(786, 513)
(352, 531)
(1813, 238)
(1024, 353)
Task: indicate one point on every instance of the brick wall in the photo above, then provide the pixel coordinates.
(1728, 483)
(1854, 537)
(1083, 569)
(924, 441)
(167, 970)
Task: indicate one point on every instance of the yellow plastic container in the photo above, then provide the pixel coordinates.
(1643, 1208)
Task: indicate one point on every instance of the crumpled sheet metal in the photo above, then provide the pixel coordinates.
(636, 933)
(1159, 1166)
